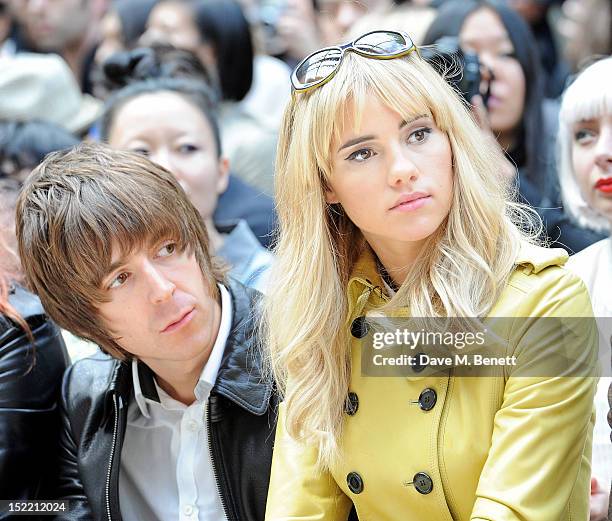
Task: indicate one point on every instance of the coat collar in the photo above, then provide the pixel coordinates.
(240, 378)
(535, 258)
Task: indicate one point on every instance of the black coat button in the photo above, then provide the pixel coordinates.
(418, 367)
(423, 483)
(354, 482)
(427, 399)
(359, 327)
(351, 404)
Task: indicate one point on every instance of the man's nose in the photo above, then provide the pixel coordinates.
(160, 287)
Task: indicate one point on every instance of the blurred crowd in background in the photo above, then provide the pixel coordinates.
(199, 86)
(66, 64)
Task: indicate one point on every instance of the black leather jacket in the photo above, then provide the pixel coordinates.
(30, 381)
(241, 421)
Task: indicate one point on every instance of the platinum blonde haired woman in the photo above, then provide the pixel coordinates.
(585, 172)
(390, 201)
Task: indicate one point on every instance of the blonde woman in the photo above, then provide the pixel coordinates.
(390, 201)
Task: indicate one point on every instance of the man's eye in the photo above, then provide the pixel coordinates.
(584, 136)
(420, 135)
(167, 250)
(360, 155)
(119, 280)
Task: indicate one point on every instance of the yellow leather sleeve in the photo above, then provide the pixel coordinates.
(538, 467)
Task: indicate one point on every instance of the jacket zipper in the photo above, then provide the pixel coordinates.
(110, 464)
(214, 466)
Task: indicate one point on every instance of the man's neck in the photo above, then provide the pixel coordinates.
(182, 387)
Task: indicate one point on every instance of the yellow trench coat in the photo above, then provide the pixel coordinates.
(489, 448)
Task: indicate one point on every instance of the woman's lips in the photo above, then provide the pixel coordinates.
(604, 185)
(410, 206)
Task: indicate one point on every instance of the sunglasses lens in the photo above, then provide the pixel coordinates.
(383, 43)
(318, 67)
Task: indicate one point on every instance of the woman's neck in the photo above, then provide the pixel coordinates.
(397, 258)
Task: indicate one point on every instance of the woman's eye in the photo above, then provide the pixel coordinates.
(142, 151)
(119, 280)
(361, 155)
(167, 250)
(584, 136)
(187, 148)
(419, 135)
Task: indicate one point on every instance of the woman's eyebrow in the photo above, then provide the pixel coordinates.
(361, 139)
(412, 120)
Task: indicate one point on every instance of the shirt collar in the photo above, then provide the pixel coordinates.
(146, 390)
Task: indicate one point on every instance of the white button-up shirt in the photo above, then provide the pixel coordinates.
(166, 469)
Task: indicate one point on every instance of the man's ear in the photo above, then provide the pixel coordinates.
(223, 180)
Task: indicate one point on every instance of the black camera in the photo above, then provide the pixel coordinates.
(461, 69)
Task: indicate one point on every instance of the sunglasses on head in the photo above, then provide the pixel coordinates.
(321, 66)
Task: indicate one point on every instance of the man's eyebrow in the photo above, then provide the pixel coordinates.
(113, 266)
(361, 139)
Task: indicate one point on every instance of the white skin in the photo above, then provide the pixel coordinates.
(388, 158)
(175, 134)
(592, 161)
(484, 34)
(162, 311)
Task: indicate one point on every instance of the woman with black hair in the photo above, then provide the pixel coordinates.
(253, 89)
(523, 123)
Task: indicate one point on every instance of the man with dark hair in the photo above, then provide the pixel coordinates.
(177, 423)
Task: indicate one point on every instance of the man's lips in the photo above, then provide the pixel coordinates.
(183, 318)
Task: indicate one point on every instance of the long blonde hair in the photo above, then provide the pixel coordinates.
(460, 272)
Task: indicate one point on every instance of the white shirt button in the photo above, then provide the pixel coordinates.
(192, 425)
(188, 510)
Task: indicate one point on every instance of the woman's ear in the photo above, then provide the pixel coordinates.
(224, 173)
(330, 197)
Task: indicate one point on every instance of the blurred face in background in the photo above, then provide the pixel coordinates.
(172, 23)
(5, 20)
(56, 24)
(592, 162)
(336, 17)
(484, 34)
(175, 134)
(112, 36)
